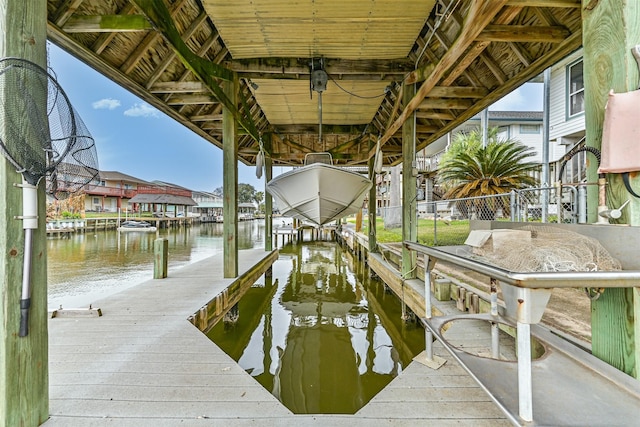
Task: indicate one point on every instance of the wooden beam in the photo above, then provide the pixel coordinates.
(396, 107)
(168, 59)
(24, 362)
(178, 87)
(65, 11)
(523, 34)
(445, 104)
(420, 74)
(373, 203)
(106, 24)
(62, 39)
(313, 129)
(575, 4)
(434, 115)
(558, 53)
(230, 182)
(494, 67)
(423, 129)
(507, 15)
(104, 39)
(206, 118)
(153, 37)
(409, 203)
(333, 66)
(522, 56)
(458, 92)
(268, 199)
(611, 28)
(480, 14)
(207, 71)
(192, 100)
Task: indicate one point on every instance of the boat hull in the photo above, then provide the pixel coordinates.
(319, 193)
(136, 226)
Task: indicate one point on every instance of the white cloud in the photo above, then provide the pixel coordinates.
(141, 110)
(106, 103)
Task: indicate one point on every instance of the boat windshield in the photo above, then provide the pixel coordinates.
(312, 158)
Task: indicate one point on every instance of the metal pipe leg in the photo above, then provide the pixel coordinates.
(525, 386)
(431, 361)
(495, 331)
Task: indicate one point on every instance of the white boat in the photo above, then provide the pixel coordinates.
(319, 192)
(136, 226)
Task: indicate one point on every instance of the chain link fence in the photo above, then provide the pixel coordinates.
(447, 222)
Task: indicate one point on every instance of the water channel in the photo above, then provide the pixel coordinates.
(88, 266)
(320, 333)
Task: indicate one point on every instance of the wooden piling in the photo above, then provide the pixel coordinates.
(24, 363)
(161, 258)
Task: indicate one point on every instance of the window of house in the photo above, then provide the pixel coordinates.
(575, 94)
(96, 200)
(530, 129)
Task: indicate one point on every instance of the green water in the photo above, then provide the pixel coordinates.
(320, 334)
(88, 266)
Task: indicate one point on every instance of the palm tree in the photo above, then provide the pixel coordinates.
(474, 170)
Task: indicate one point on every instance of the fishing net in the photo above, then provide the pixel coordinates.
(548, 249)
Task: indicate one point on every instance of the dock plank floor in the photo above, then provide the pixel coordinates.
(143, 364)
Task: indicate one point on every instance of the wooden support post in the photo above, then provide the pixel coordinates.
(610, 29)
(442, 289)
(461, 300)
(230, 181)
(268, 200)
(24, 363)
(409, 224)
(160, 258)
(373, 203)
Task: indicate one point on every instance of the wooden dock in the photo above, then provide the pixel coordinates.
(142, 363)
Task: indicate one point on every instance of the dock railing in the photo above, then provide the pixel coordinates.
(526, 295)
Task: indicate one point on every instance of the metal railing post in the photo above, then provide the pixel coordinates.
(582, 204)
(525, 385)
(495, 331)
(435, 221)
(431, 361)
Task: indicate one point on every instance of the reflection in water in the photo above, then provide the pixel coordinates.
(320, 334)
(91, 265)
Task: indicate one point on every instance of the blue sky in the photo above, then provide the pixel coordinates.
(134, 138)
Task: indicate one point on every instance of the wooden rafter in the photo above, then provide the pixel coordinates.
(206, 71)
(65, 11)
(104, 39)
(106, 24)
(479, 16)
(523, 34)
(153, 37)
(546, 3)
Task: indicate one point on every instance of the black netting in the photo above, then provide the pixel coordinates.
(40, 132)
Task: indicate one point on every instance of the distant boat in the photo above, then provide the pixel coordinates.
(319, 192)
(136, 226)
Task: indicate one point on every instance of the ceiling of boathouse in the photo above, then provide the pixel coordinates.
(458, 56)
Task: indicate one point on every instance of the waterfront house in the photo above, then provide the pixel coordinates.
(113, 192)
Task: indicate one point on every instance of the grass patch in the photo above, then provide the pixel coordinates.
(440, 234)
